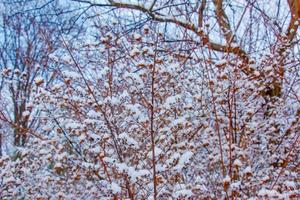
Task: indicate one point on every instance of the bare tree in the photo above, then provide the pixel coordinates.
(29, 34)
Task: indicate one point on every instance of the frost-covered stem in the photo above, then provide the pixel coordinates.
(152, 140)
(219, 137)
(230, 132)
(107, 173)
(110, 79)
(287, 159)
(235, 116)
(0, 144)
(293, 146)
(232, 122)
(152, 126)
(218, 131)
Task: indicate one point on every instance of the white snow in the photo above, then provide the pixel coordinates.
(26, 113)
(183, 160)
(39, 80)
(221, 62)
(247, 170)
(115, 188)
(158, 152)
(237, 163)
(183, 193)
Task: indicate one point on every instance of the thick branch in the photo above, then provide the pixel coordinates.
(200, 13)
(223, 21)
(294, 6)
(161, 18)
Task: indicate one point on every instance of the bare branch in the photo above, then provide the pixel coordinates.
(152, 5)
(294, 6)
(223, 21)
(200, 13)
(189, 26)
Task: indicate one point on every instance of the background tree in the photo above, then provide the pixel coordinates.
(30, 33)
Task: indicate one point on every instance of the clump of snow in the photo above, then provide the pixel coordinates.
(158, 152)
(268, 68)
(183, 160)
(247, 170)
(235, 45)
(183, 193)
(17, 71)
(96, 149)
(221, 63)
(115, 188)
(26, 113)
(269, 193)
(122, 167)
(137, 36)
(134, 52)
(237, 163)
(72, 75)
(227, 179)
(171, 101)
(290, 184)
(236, 185)
(39, 81)
(132, 142)
(256, 73)
(73, 125)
